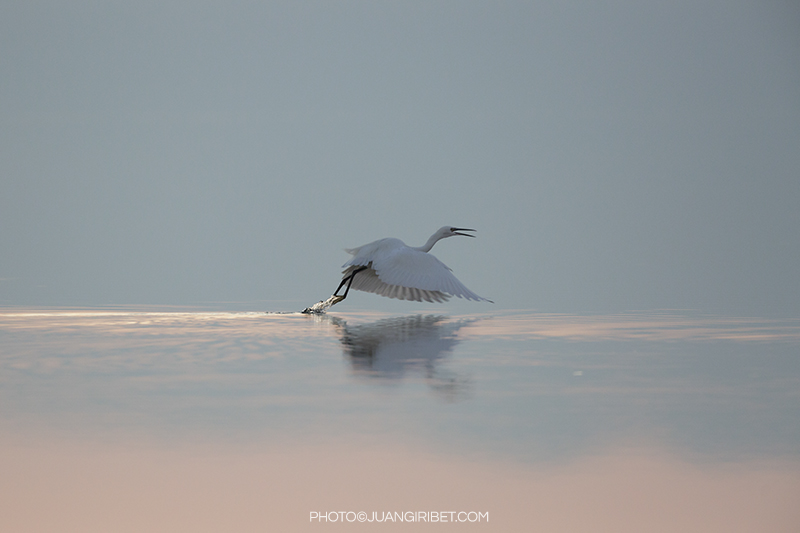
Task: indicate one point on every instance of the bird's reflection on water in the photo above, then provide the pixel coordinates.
(393, 348)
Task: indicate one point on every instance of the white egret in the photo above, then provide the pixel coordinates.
(390, 268)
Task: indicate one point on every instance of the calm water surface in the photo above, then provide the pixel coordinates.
(119, 420)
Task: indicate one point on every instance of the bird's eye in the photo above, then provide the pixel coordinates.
(452, 229)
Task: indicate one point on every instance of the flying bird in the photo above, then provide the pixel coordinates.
(390, 268)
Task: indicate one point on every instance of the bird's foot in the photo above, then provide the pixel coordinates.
(322, 306)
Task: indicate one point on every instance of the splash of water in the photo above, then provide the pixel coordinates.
(322, 306)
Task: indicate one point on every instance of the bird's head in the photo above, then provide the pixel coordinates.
(441, 233)
(450, 231)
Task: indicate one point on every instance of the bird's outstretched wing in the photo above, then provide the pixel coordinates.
(368, 281)
(407, 274)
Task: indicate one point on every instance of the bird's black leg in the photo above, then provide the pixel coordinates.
(349, 281)
(353, 275)
(345, 280)
(322, 306)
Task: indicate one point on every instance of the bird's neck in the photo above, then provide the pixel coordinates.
(428, 245)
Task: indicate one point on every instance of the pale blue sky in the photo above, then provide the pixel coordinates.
(612, 155)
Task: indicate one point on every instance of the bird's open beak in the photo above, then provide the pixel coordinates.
(456, 232)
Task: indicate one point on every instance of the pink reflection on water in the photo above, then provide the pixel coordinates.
(94, 487)
(48, 340)
(638, 326)
(646, 326)
(74, 481)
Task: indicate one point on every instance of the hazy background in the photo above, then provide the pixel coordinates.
(613, 155)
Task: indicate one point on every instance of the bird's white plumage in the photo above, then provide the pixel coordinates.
(396, 270)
